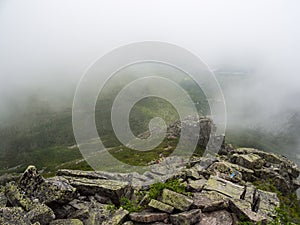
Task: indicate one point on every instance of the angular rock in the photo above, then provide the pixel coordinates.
(216, 218)
(13, 216)
(193, 173)
(178, 201)
(196, 185)
(89, 212)
(148, 217)
(250, 161)
(224, 187)
(243, 210)
(115, 190)
(186, 218)
(202, 201)
(215, 206)
(226, 171)
(161, 206)
(66, 222)
(281, 183)
(41, 213)
(118, 217)
(48, 191)
(16, 198)
(268, 203)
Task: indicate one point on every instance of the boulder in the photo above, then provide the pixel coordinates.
(148, 217)
(186, 218)
(196, 185)
(41, 213)
(281, 183)
(250, 161)
(17, 198)
(90, 212)
(13, 216)
(224, 187)
(269, 201)
(202, 201)
(193, 173)
(243, 210)
(113, 189)
(178, 201)
(161, 206)
(226, 171)
(48, 191)
(216, 218)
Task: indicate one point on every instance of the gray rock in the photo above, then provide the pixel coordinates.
(118, 217)
(176, 200)
(224, 187)
(193, 173)
(216, 218)
(148, 217)
(250, 161)
(89, 212)
(66, 222)
(108, 188)
(186, 218)
(13, 216)
(196, 185)
(16, 198)
(202, 201)
(161, 206)
(41, 213)
(226, 171)
(243, 210)
(215, 206)
(268, 203)
(52, 190)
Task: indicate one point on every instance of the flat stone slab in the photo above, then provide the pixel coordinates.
(66, 222)
(224, 187)
(148, 217)
(109, 188)
(178, 201)
(186, 218)
(161, 206)
(202, 201)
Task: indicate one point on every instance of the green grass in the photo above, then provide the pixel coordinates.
(174, 185)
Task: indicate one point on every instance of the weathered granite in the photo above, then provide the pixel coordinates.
(178, 201)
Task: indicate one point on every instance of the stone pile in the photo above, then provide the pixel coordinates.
(218, 191)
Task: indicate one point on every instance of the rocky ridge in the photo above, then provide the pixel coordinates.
(218, 190)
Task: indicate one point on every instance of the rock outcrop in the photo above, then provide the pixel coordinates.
(215, 190)
(219, 191)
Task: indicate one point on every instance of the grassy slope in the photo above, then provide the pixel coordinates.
(43, 137)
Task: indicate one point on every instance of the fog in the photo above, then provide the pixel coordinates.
(45, 47)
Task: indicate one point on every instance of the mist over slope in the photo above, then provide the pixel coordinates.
(253, 47)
